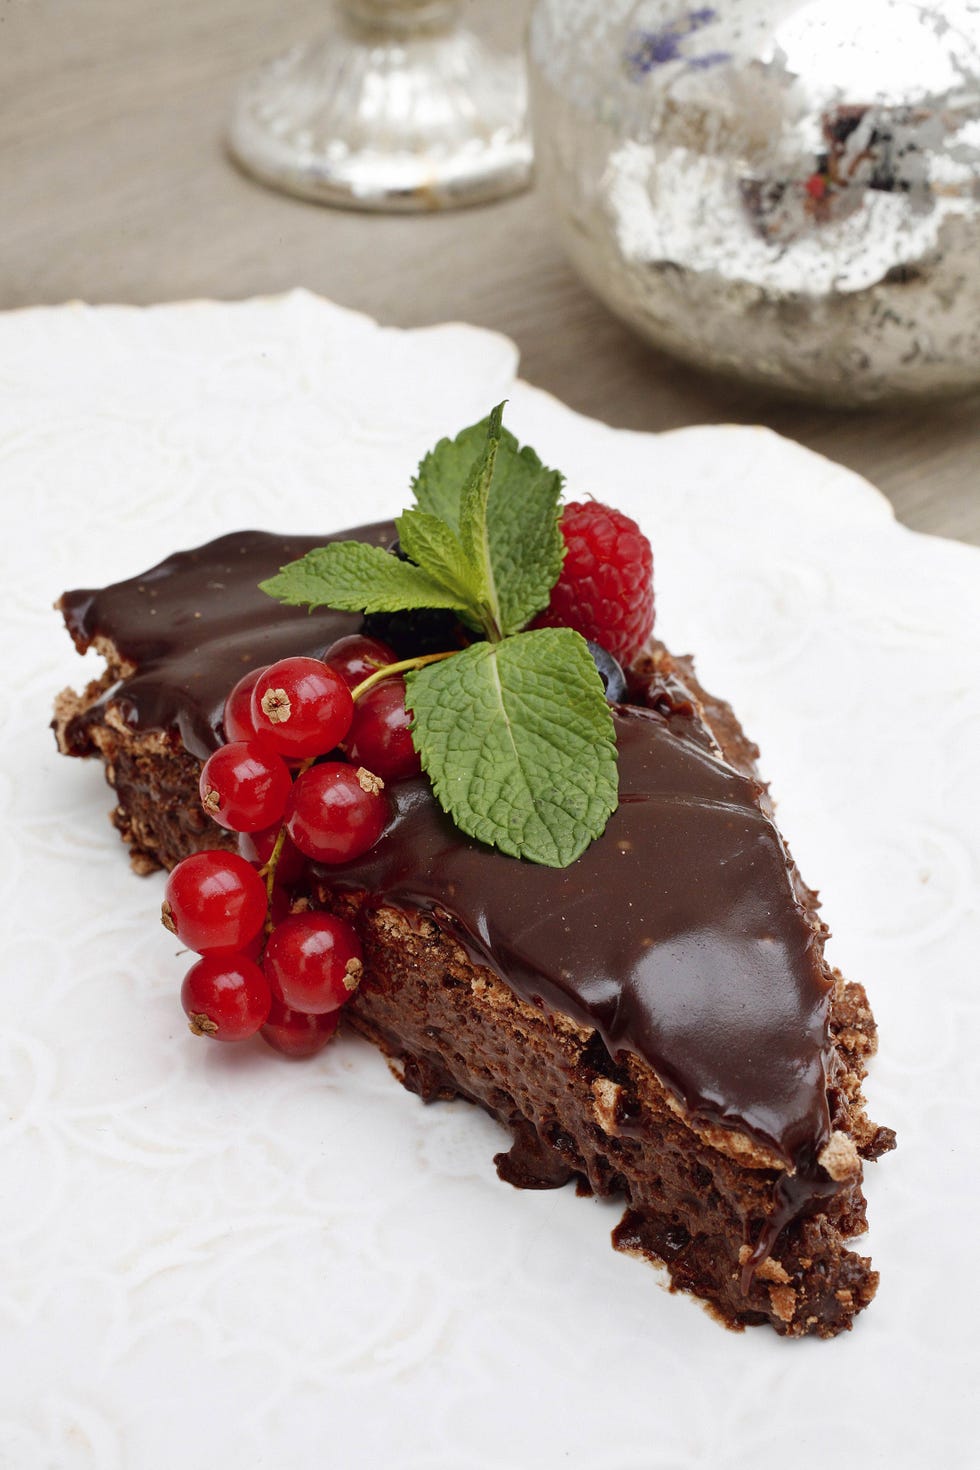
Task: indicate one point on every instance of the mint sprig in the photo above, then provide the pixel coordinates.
(514, 731)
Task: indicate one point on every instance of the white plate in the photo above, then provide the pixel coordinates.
(214, 1258)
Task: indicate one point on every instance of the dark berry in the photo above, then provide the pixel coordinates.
(411, 634)
(420, 631)
(610, 672)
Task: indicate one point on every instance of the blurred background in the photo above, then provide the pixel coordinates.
(115, 186)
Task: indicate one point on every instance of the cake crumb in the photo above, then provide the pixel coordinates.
(783, 1299)
(839, 1157)
(773, 1270)
(770, 1269)
(606, 1095)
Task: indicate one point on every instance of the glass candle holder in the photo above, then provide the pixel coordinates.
(396, 106)
(785, 191)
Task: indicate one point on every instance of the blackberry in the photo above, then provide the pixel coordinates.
(422, 630)
(419, 630)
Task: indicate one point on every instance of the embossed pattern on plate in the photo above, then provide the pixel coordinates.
(216, 1258)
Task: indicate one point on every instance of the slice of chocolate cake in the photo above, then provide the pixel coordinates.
(655, 1021)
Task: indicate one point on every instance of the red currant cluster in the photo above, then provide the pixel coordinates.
(266, 964)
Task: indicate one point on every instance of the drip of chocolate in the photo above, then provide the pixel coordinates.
(682, 934)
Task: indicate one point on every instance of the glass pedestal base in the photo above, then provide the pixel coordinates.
(395, 108)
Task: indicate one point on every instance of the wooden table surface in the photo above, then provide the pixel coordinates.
(114, 187)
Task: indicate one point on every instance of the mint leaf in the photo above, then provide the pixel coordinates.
(474, 530)
(519, 743)
(521, 517)
(436, 549)
(526, 546)
(438, 486)
(352, 576)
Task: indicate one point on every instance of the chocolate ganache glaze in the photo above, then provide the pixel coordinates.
(682, 934)
(192, 626)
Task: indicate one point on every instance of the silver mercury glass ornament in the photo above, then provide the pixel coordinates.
(784, 190)
(394, 107)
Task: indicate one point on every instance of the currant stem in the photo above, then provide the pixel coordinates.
(271, 866)
(269, 871)
(401, 667)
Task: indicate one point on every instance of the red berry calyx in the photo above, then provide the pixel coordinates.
(200, 1024)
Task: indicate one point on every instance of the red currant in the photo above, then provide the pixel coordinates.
(356, 657)
(296, 1034)
(226, 997)
(313, 962)
(335, 813)
(256, 848)
(214, 901)
(238, 721)
(380, 737)
(301, 707)
(245, 786)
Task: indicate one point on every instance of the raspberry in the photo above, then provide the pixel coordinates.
(605, 591)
